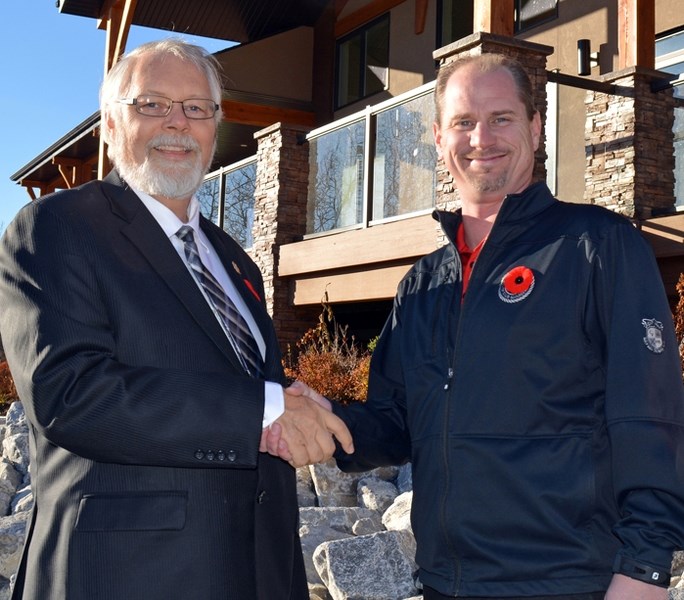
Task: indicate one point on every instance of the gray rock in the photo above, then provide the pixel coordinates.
(398, 516)
(23, 500)
(405, 479)
(376, 494)
(12, 533)
(306, 495)
(368, 525)
(319, 525)
(10, 480)
(336, 517)
(335, 488)
(385, 559)
(15, 448)
(15, 421)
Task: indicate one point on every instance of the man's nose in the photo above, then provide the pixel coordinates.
(482, 135)
(176, 117)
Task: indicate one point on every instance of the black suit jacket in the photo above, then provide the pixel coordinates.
(147, 478)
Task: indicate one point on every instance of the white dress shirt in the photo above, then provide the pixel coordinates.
(170, 223)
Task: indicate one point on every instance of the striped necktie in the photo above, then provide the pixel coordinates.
(233, 323)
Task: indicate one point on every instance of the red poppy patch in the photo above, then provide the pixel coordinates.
(516, 285)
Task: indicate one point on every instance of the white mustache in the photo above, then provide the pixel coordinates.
(184, 142)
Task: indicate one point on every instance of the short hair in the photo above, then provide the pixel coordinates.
(116, 83)
(487, 63)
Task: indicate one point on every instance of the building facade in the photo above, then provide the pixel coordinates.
(326, 169)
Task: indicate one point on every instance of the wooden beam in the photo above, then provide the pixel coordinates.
(339, 7)
(81, 169)
(378, 283)
(397, 241)
(260, 115)
(363, 15)
(494, 16)
(68, 175)
(30, 184)
(636, 34)
(116, 18)
(421, 16)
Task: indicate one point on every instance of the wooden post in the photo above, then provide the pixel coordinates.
(636, 34)
(494, 16)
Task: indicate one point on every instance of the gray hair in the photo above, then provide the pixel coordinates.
(487, 63)
(117, 82)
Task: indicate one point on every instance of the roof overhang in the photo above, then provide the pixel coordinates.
(235, 20)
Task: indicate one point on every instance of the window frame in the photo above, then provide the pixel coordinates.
(360, 34)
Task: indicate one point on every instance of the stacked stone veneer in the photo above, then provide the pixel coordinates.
(629, 153)
(280, 202)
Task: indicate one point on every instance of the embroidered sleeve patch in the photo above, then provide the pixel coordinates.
(654, 335)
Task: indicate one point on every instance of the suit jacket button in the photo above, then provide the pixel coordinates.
(221, 455)
(261, 498)
(232, 455)
(199, 454)
(210, 455)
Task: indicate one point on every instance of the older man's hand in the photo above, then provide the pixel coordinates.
(305, 433)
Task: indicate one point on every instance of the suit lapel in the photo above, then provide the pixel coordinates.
(143, 231)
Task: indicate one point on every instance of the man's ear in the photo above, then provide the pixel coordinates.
(535, 128)
(108, 124)
(437, 134)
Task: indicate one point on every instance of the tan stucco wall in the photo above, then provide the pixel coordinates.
(285, 64)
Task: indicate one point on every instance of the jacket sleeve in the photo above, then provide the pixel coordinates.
(62, 333)
(379, 426)
(644, 402)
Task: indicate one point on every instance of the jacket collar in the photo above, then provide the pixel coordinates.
(515, 208)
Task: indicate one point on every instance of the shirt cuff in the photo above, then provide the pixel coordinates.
(274, 402)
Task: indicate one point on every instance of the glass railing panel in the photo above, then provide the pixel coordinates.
(336, 178)
(404, 174)
(238, 203)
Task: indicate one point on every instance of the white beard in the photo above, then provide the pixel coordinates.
(155, 176)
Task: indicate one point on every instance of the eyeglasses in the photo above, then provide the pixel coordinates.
(160, 106)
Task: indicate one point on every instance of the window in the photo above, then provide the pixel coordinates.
(454, 20)
(236, 184)
(404, 174)
(670, 58)
(336, 178)
(375, 165)
(208, 197)
(362, 62)
(530, 13)
(238, 203)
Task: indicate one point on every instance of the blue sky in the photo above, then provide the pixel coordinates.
(51, 66)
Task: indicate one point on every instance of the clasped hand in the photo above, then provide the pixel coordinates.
(304, 434)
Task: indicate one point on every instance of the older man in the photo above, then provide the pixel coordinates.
(137, 334)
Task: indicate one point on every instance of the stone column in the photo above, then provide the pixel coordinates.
(280, 198)
(533, 57)
(630, 145)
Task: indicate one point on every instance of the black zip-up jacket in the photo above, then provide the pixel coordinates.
(543, 415)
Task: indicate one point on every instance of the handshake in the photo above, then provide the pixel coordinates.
(304, 434)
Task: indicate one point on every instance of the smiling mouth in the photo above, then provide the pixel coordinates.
(174, 149)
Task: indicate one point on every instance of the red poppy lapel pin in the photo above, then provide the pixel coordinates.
(516, 285)
(250, 287)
